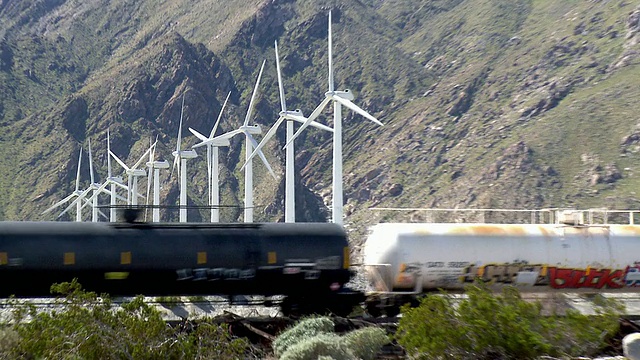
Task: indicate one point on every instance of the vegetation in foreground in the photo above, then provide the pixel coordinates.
(485, 325)
(85, 326)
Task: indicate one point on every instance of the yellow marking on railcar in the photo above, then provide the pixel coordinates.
(202, 257)
(346, 262)
(69, 258)
(271, 257)
(544, 271)
(4, 259)
(587, 270)
(125, 258)
(116, 275)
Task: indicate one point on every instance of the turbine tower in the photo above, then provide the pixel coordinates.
(154, 176)
(250, 143)
(181, 156)
(290, 116)
(113, 181)
(75, 193)
(133, 173)
(338, 98)
(213, 168)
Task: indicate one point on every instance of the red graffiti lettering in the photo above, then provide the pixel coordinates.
(577, 279)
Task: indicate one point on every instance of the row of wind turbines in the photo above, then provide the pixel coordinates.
(89, 196)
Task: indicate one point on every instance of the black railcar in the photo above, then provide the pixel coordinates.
(303, 261)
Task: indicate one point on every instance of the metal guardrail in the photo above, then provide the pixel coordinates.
(595, 216)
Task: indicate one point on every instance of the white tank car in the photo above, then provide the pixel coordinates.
(538, 257)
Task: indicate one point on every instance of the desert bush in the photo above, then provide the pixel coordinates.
(366, 342)
(314, 338)
(304, 329)
(85, 326)
(311, 348)
(487, 325)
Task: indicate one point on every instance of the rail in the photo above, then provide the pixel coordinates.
(594, 216)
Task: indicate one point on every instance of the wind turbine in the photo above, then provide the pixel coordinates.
(75, 193)
(96, 189)
(338, 98)
(113, 181)
(250, 143)
(182, 156)
(290, 116)
(154, 175)
(133, 173)
(212, 163)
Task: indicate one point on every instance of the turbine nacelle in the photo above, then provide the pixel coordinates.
(345, 94)
(251, 129)
(185, 154)
(158, 164)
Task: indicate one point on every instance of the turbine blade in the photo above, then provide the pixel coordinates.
(198, 135)
(311, 117)
(356, 108)
(261, 154)
(122, 186)
(320, 126)
(90, 163)
(78, 173)
(180, 128)
(124, 166)
(264, 140)
(102, 214)
(108, 157)
(60, 203)
(215, 126)
(142, 158)
(283, 102)
(97, 191)
(330, 56)
(73, 203)
(253, 95)
(175, 165)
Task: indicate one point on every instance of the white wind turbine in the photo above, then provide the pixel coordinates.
(338, 98)
(213, 169)
(133, 173)
(96, 189)
(113, 182)
(290, 116)
(75, 193)
(250, 143)
(181, 156)
(154, 176)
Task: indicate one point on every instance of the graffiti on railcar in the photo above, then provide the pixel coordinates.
(517, 272)
(586, 278)
(632, 275)
(522, 273)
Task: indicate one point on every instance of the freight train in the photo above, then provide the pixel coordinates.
(306, 263)
(405, 260)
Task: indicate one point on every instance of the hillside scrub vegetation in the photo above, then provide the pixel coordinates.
(484, 325)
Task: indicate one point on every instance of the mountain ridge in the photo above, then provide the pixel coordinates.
(517, 104)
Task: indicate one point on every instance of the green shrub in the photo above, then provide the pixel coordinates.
(304, 329)
(486, 325)
(312, 348)
(366, 342)
(85, 326)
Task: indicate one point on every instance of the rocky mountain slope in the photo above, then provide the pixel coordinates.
(486, 103)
